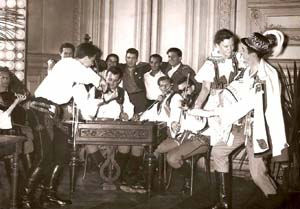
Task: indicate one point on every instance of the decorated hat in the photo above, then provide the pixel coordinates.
(257, 42)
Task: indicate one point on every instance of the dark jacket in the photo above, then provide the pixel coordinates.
(180, 73)
(138, 72)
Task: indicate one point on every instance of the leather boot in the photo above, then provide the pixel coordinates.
(27, 196)
(186, 187)
(134, 173)
(48, 196)
(223, 188)
(97, 159)
(122, 160)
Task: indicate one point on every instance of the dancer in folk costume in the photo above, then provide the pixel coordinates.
(251, 99)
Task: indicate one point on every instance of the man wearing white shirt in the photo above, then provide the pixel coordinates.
(113, 104)
(253, 96)
(151, 78)
(184, 141)
(160, 110)
(54, 91)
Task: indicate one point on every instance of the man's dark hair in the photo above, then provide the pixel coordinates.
(133, 51)
(116, 71)
(66, 45)
(112, 55)
(223, 34)
(176, 50)
(164, 78)
(4, 69)
(156, 56)
(87, 49)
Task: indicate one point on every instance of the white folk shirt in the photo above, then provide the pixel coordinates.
(273, 114)
(207, 71)
(57, 86)
(173, 70)
(88, 105)
(152, 87)
(153, 115)
(5, 120)
(113, 109)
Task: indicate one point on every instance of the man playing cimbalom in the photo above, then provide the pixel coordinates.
(111, 105)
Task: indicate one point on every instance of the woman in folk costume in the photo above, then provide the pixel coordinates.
(251, 99)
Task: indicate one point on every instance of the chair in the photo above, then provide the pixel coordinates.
(167, 175)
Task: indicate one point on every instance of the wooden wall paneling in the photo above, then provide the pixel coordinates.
(57, 24)
(50, 23)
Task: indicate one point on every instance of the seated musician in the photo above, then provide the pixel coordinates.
(159, 110)
(185, 140)
(13, 113)
(113, 104)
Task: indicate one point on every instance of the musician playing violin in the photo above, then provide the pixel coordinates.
(159, 110)
(185, 139)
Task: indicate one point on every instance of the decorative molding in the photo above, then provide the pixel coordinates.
(76, 22)
(256, 18)
(114, 133)
(225, 13)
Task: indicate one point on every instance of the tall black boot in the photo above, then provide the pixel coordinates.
(97, 159)
(223, 188)
(122, 160)
(27, 196)
(186, 169)
(48, 196)
(135, 173)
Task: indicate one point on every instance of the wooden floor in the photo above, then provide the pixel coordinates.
(89, 195)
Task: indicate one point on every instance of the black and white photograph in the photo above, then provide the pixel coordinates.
(150, 104)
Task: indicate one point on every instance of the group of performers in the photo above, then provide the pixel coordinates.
(229, 102)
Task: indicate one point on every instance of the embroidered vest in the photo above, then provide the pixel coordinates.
(221, 82)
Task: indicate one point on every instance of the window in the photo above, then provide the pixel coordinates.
(13, 36)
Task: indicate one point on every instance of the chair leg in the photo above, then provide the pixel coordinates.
(192, 175)
(85, 165)
(207, 165)
(167, 175)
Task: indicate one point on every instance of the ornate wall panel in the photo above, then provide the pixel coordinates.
(50, 23)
